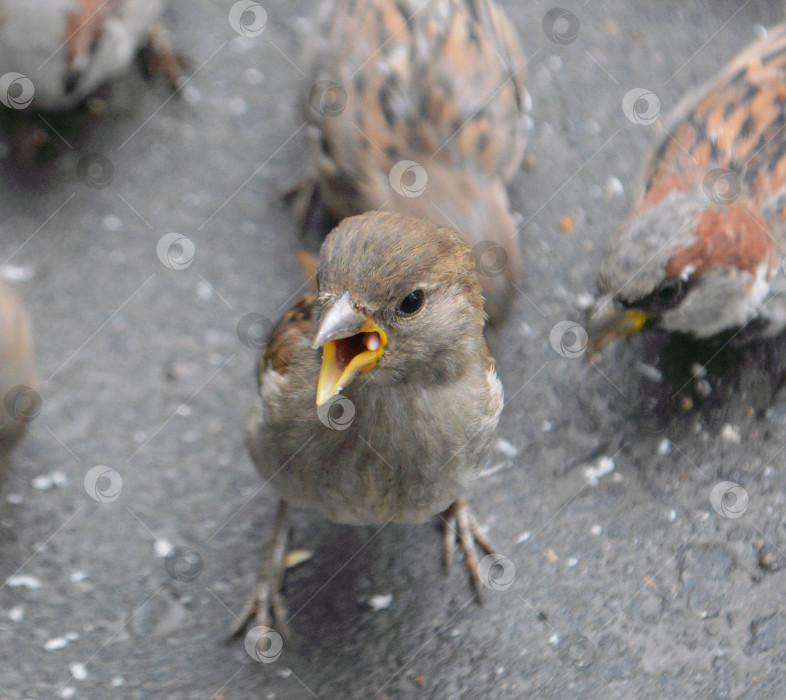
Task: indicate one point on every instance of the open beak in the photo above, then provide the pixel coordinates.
(608, 324)
(351, 346)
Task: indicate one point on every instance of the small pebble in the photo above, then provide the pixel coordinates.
(524, 537)
(605, 465)
(584, 301)
(380, 602)
(15, 498)
(162, 547)
(44, 482)
(664, 447)
(596, 530)
(78, 671)
(17, 273)
(191, 94)
(572, 562)
(24, 581)
(731, 434)
(68, 692)
(117, 681)
(650, 372)
(698, 370)
(506, 448)
(672, 515)
(613, 188)
(17, 613)
(56, 643)
(703, 388)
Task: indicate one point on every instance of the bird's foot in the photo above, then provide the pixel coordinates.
(266, 606)
(461, 525)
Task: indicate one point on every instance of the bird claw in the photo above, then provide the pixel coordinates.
(266, 606)
(462, 526)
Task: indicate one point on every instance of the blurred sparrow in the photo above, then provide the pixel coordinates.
(419, 107)
(55, 53)
(377, 395)
(701, 253)
(18, 399)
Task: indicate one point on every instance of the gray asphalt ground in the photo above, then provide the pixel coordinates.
(628, 583)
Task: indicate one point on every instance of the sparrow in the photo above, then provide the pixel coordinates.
(19, 401)
(56, 53)
(377, 396)
(419, 107)
(701, 253)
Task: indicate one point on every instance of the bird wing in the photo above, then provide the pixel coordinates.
(441, 80)
(736, 123)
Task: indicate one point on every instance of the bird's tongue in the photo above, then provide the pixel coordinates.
(347, 349)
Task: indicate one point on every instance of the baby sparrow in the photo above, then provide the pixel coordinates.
(377, 395)
(701, 253)
(55, 53)
(18, 399)
(419, 107)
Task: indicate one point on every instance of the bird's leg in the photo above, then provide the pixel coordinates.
(266, 605)
(158, 58)
(460, 523)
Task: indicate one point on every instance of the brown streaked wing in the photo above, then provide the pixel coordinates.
(738, 123)
(291, 335)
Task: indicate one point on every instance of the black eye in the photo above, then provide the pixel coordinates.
(667, 295)
(412, 302)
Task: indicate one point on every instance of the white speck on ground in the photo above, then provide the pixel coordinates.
(17, 273)
(162, 547)
(380, 602)
(731, 433)
(24, 581)
(55, 643)
(605, 465)
(78, 671)
(506, 448)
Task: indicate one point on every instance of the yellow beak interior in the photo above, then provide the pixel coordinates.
(345, 359)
